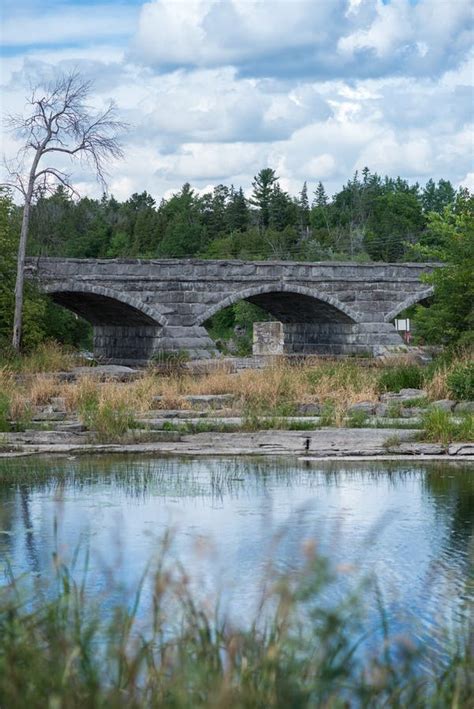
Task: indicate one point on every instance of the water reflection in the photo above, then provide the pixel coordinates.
(410, 524)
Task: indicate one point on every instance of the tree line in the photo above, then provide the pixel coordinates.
(370, 218)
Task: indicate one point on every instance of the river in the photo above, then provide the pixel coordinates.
(409, 525)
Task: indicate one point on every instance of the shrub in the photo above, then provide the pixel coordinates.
(404, 376)
(461, 381)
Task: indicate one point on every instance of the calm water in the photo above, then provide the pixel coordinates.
(409, 524)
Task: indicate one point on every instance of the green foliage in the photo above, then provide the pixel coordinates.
(450, 317)
(356, 419)
(404, 376)
(41, 318)
(232, 327)
(108, 421)
(396, 219)
(440, 426)
(460, 381)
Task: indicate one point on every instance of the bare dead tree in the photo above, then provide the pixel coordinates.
(59, 127)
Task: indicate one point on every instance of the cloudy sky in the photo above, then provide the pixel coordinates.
(214, 90)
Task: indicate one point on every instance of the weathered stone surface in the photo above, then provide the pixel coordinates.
(464, 407)
(409, 412)
(403, 395)
(461, 449)
(107, 371)
(309, 409)
(365, 407)
(140, 309)
(443, 404)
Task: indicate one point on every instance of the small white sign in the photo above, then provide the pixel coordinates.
(402, 324)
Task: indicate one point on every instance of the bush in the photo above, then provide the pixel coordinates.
(461, 381)
(404, 376)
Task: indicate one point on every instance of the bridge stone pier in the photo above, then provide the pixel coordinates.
(143, 308)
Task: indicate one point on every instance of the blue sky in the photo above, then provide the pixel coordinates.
(216, 89)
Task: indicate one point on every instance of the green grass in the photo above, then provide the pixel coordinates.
(108, 422)
(356, 419)
(62, 649)
(440, 426)
(406, 376)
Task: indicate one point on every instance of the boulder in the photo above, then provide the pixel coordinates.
(308, 409)
(444, 404)
(404, 395)
(365, 407)
(411, 412)
(461, 449)
(115, 372)
(464, 407)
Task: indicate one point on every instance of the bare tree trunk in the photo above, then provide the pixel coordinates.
(20, 277)
(20, 269)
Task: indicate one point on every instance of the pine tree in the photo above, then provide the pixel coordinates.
(304, 211)
(237, 213)
(263, 188)
(320, 196)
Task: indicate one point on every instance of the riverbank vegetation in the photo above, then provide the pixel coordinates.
(330, 392)
(66, 646)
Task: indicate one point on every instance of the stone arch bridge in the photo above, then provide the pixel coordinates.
(141, 308)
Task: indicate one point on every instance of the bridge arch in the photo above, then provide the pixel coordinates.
(411, 300)
(103, 306)
(289, 303)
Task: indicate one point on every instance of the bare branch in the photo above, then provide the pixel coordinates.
(59, 124)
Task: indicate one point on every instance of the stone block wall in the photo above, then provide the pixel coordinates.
(268, 338)
(126, 344)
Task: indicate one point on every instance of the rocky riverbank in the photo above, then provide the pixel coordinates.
(320, 410)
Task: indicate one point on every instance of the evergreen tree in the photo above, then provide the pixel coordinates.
(320, 196)
(237, 213)
(263, 188)
(304, 211)
(435, 198)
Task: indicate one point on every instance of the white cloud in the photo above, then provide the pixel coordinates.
(216, 89)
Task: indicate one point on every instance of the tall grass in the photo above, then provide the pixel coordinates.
(71, 649)
(49, 356)
(440, 426)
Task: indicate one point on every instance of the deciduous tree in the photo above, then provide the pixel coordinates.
(58, 127)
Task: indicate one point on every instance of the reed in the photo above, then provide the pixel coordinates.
(69, 648)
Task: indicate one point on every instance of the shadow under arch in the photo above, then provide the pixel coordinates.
(104, 306)
(408, 302)
(289, 303)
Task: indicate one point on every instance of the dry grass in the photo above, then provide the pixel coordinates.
(42, 389)
(283, 385)
(275, 390)
(48, 357)
(437, 386)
